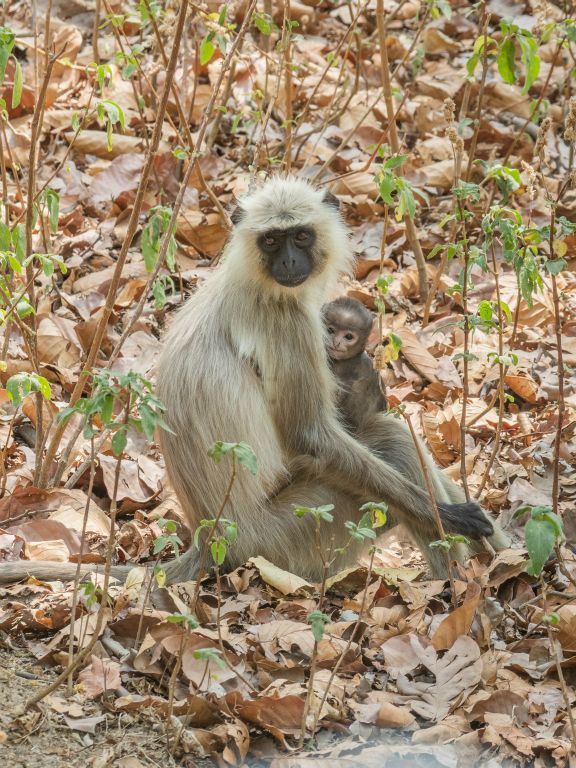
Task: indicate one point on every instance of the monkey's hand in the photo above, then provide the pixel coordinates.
(467, 519)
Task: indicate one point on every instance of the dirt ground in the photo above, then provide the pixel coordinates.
(42, 738)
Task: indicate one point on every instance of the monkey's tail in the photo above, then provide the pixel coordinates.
(182, 568)
(46, 571)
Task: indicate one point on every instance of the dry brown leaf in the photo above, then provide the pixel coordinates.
(47, 535)
(56, 551)
(278, 716)
(456, 674)
(567, 628)
(100, 676)
(122, 174)
(96, 143)
(417, 354)
(459, 621)
(435, 41)
(502, 97)
(522, 385)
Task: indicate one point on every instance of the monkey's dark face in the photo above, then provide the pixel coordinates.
(288, 254)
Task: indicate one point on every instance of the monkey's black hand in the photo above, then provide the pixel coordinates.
(467, 519)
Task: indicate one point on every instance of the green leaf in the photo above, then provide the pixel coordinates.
(540, 539)
(5, 237)
(394, 162)
(149, 420)
(218, 550)
(318, 621)
(18, 386)
(19, 241)
(506, 310)
(207, 49)
(24, 308)
(406, 203)
(230, 528)
(263, 23)
(159, 293)
(387, 187)
(150, 243)
(320, 513)
(42, 385)
(383, 283)
(209, 654)
(241, 451)
(246, 457)
(506, 64)
(119, 441)
(472, 63)
(485, 310)
(7, 40)
(53, 205)
(359, 532)
(465, 190)
(107, 408)
(530, 59)
(556, 266)
(204, 525)
(375, 514)
(17, 89)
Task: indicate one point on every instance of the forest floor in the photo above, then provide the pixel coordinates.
(457, 146)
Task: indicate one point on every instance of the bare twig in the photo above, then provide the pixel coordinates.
(411, 233)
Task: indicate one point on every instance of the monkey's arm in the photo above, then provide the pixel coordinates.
(351, 465)
(360, 397)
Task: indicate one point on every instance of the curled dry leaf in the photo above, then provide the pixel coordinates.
(285, 582)
(523, 385)
(378, 710)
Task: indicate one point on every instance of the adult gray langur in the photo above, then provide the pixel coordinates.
(245, 360)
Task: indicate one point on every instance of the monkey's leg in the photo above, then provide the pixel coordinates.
(391, 439)
(290, 542)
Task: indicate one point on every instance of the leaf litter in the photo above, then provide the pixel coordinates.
(401, 676)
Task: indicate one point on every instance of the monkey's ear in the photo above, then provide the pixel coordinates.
(331, 200)
(237, 215)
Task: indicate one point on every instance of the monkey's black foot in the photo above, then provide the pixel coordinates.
(467, 519)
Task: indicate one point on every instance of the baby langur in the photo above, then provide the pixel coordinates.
(348, 324)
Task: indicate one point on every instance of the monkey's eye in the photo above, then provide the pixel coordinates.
(330, 331)
(349, 336)
(302, 236)
(270, 240)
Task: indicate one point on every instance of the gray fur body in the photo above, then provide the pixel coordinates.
(245, 361)
(359, 396)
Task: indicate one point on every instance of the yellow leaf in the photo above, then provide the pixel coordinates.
(560, 248)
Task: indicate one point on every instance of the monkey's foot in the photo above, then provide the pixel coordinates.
(467, 519)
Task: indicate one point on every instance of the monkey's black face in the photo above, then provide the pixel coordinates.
(288, 254)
